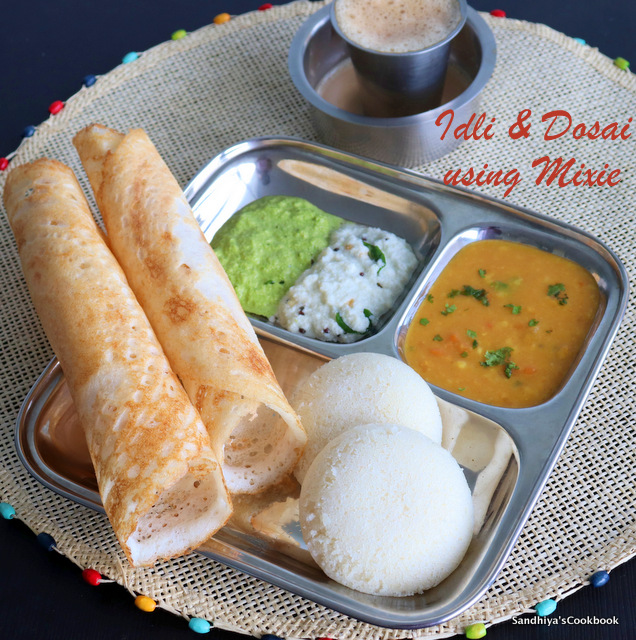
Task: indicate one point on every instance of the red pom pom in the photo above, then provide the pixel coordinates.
(4, 163)
(498, 13)
(91, 576)
(266, 6)
(56, 107)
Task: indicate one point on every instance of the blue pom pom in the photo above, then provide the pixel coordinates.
(129, 57)
(6, 511)
(599, 579)
(545, 607)
(46, 540)
(199, 625)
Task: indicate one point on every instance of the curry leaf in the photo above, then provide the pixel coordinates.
(375, 253)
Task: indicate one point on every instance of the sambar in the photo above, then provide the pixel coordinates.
(503, 323)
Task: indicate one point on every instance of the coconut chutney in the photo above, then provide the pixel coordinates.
(350, 285)
(268, 244)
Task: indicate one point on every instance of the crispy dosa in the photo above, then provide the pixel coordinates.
(192, 307)
(159, 480)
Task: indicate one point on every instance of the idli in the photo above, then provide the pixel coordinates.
(362, 388)
(386, 511)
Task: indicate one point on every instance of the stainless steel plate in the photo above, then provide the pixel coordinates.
(506, 454)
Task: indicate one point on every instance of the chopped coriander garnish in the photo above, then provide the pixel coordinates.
(498, 357)
(424, 321)
(494, 358)
(499, 285)
(510, 366)
(448, 309)
(429, 298)
(461, 388)
(557, 291)
(482, 273)
(475, 344)
(453, 292)
(367, 313)
(375, 253)
(478, 294)
(437, 338)
(515, 308)
(533, 323)
(464, 354)
(269, 282)
(553, 289)
(470, 333)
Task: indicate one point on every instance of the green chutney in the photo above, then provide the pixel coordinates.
(268, 244)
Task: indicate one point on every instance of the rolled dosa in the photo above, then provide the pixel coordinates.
(159, 481)
(192, 307)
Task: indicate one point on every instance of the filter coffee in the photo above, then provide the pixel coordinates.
(397, 26)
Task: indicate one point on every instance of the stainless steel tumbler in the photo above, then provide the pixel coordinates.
(401, 84)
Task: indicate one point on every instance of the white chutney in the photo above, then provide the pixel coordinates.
(350, 285)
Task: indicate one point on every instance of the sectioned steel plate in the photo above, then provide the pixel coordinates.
(506, 454)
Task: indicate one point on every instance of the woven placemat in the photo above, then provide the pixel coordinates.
(222, 84)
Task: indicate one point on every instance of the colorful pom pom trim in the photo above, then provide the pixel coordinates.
(199, 625)
(621, 63)
(475, 631)
(56, 107)
(545, 607)
(599, 578)
(6, 510)
(131, 56)
(145, 604)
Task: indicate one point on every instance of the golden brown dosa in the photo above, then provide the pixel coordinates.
(160, 483)
(192, 307)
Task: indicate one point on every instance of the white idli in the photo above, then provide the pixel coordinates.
(362, 388)
(386, 511)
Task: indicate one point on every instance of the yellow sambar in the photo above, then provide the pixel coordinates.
(503, 323)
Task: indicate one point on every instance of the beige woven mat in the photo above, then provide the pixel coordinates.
(226, 83)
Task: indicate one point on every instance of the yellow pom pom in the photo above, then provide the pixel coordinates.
(145, 603)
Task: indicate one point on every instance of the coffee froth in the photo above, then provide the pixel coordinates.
(397, 26)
